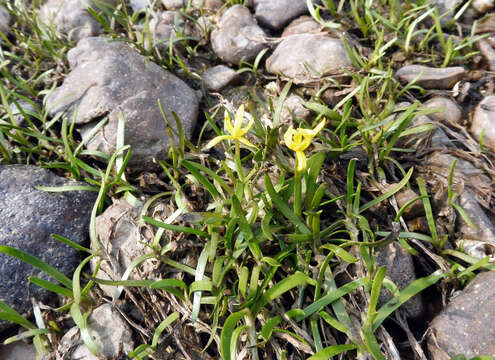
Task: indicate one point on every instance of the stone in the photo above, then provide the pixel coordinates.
(108, 78)
(431, 78)
(219, 77)
(450, 111)
(485, 230)
(465, 326)
(482, 6)
(173, 4)
(400, 270)
(237, 36)
(488, 53)
(484, 116)
(24, 106)
(213, 5)
(486, 25)
(297, 57)
(110, 332)
(275, 14)
(302, 25)
(4, 20)
(294, 107)
(71, 17)
(413, 210)
(27, 218)
(168, 26)
(445, 6)
(466, 175)
(18, 350)
(120, 232)
(137, 5)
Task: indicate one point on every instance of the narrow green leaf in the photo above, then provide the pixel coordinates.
(163, 325)
(227, 333)
(34, 261)
(177, 228)
(284, 208)
(389, 193)
(329, 352)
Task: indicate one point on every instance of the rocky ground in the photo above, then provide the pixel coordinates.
(257, 179)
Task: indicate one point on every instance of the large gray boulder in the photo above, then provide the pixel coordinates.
(27, 218)
(465, 326)
(109, 78)
(237, 36)
(307, 57)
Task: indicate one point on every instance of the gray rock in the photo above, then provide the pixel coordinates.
(297, 57)
(431, 78)
(485, 230)
(27, 218)
(413, 210)
(400, 269)
(302, 25)
(488, 52)
(482, 6)
(109, 78)
(484, 116)
(167, 27)
(219, 77)
(137, 5)
(4, 20)
(444, 6)
(173, 4)
(71, 17)
(237, 36)
(275, 14)
(122, 236)
(450, 111)
(23, 106)
(110, 332)
(465, 326)
(294, 106)
(18, 350)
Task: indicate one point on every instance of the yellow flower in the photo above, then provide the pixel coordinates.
(237, 131)
(298, 140)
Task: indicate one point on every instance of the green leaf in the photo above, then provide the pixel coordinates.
(389, 193)
(414, 288)
(163, 325)
(227, 333)
(176, 228)
(284, 208)
(279, 288)
(81, 322)
(329, 352)
(37, 263)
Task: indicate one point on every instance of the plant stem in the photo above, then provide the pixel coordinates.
(297, 193)
(251, 335)
(237, 159)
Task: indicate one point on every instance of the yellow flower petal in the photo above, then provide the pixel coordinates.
(247, 127)
(228, 123)
(239, 118)
(216, 140)
(245, 142)
(288, 137)
(300, 161)
(319, 127)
